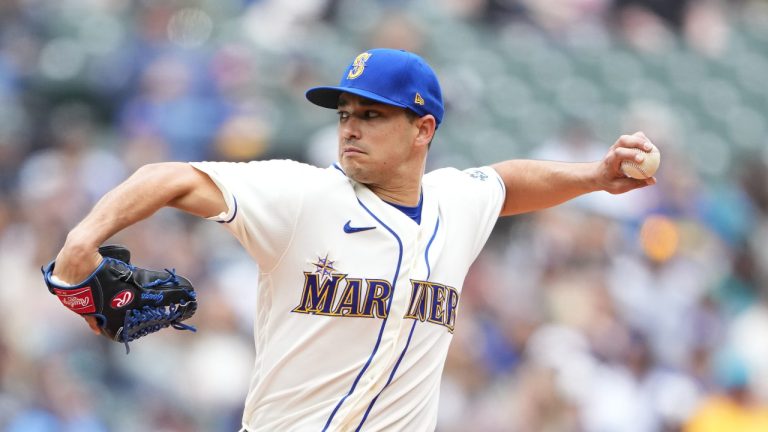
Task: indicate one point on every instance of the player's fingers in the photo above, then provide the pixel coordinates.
(633, 141)
(641, 183)
(614, 158)
(626, 184)
(93, 324)
(623, 153)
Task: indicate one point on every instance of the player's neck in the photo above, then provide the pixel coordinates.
(405, 195)
(402, 184)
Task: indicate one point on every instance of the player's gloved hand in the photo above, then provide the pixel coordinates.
(125, 302)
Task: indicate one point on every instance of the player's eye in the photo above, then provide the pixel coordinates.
(371, 114)
(343, 115)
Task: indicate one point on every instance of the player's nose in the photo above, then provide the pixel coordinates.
(350, 129)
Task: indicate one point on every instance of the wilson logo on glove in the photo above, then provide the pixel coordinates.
(80, 301)
(123, 298)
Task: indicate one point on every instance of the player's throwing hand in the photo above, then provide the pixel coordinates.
(610, 175)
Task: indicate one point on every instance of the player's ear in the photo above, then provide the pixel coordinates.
(426, 129)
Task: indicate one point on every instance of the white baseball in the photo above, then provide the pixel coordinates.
(645, 169)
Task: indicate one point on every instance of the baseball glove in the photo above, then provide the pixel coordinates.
(128, 301)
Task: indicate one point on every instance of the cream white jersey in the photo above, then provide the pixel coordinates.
(356, 302)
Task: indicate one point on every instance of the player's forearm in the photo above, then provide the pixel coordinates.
(534, 185)
(149, 189)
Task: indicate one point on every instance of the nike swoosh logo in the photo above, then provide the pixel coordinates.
(350, 229)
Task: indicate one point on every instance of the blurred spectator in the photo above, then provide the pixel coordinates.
(671, 12)
(173, 106)
(706, 27)
(733, 409)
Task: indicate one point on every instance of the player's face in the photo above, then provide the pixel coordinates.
(375, 140)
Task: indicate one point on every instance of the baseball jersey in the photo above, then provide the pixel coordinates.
(356, 302)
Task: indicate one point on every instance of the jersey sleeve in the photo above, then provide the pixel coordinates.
(475, 196)
(263, 200)
(488, 193)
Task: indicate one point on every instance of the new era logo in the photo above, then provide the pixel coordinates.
(418, 100)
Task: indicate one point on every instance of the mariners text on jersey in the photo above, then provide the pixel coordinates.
(341, 296)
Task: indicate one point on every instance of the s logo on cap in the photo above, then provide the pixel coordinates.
(358, 65)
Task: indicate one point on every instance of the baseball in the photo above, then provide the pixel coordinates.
(645, 169)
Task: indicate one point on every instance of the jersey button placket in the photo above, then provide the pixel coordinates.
(388, 353)
(397, 313)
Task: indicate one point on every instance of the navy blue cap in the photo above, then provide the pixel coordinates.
(392, 77)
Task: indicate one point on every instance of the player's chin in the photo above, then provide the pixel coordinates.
(350, 160)
(355, 170)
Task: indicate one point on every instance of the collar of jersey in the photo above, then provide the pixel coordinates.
(412, 212)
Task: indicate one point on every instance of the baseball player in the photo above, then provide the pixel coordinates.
(362, 262)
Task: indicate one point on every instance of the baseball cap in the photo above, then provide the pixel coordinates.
(389, 76)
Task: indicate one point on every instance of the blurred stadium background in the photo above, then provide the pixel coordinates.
(644, 312)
